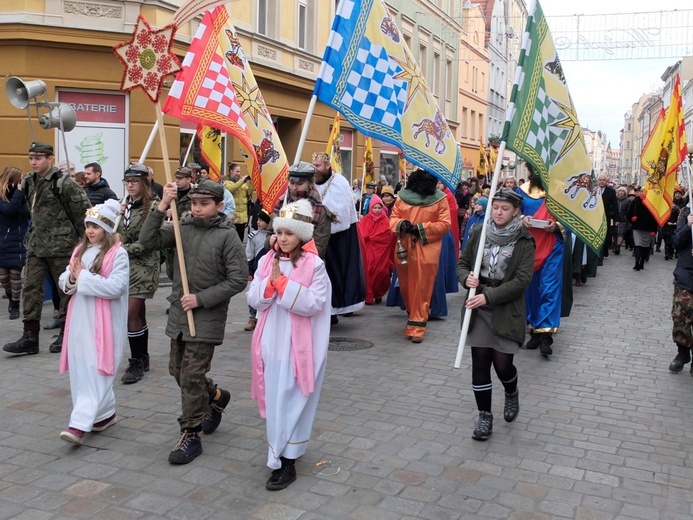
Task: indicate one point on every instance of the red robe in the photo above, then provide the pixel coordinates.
(453, 214)
(377, 250)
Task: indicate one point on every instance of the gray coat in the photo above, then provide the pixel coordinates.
(216, 268)
(508, 299)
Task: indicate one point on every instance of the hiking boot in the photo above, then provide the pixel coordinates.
(145, 362)
(57, 346)
(484, 427)
(134, 372)
(683, 357)
(281, 478)
(252, 322)
(102, 425)
(14, 309)
(73, 436)
(212, 417)
(27, 344)
(187, 449)
(512, 406)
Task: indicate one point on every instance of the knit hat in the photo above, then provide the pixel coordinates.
(483, 202)
(264, 216)
(296, 217)
(387, 189)
(104, 215)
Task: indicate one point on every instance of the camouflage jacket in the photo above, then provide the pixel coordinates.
(144, 263)
(57, 214)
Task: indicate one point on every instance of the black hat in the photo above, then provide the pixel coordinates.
(264, 216)
(136, 169)
(508, 195)
(206, 189)
(301, 171)
(184, 172)
(37, 147)
(371, 185)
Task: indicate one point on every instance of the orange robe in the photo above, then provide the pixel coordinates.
(417, 277)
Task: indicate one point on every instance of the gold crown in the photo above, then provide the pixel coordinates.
(291, 212)
(92, 213)
(321, 156)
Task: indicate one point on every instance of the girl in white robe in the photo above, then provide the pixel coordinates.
(292, 293)
(97, 278)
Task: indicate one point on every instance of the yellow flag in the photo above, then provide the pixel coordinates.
(482, 159)
(664, 152)
(210, 149)
(368, 166)
(334, 146)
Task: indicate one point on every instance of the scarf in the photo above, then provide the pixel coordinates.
(313, 197)
(301, 335)
(103, 324)
(503, 236)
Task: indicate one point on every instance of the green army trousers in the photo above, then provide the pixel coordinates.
(34, 276)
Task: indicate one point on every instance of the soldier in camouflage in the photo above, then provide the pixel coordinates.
(58, 205)
(682, 307)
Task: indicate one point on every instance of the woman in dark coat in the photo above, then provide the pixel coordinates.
(644, 229)
(14, 223)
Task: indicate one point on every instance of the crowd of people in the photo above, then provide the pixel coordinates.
(325, 250)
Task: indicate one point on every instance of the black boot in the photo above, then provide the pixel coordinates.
(27, 344)
(134, 372)
(533, 342)
(638, 258)
(281, 478)
(683, 357)
(512, 406)
(57, 345)
(484, 427)
(145, 349)
(216, 407)
(14, 309)
(545, 344)
(189, 446)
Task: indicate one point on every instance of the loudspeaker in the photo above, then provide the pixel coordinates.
(21, 92)
(52, 119)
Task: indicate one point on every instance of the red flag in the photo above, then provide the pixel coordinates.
(217, 88)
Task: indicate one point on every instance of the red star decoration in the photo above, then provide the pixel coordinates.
(147, 58)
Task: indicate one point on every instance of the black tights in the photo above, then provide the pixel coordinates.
(482, 359)
(137, 314)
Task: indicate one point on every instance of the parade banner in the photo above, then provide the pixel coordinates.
(661, 156)
(543, 129)
(334, 146)
(210, 150)
(370, 76)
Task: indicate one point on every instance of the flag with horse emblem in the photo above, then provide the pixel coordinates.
(370, 76)
(216, 87)
(543, 128)
(661, 156)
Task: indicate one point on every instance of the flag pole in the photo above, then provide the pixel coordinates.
(187, 153)
(478, 259)
(306, 126)
(149, 143)
(174, 215)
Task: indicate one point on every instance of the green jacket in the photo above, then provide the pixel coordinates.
(145, 264)
(216, 268)
(508, 299)
(57, 214)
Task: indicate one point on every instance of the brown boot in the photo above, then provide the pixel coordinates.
(251, 324)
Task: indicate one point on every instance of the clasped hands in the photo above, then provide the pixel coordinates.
(412, 229)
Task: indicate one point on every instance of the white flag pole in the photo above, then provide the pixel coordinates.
(147, 146)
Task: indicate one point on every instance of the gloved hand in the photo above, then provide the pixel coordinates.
(414, 232)
(405, 226)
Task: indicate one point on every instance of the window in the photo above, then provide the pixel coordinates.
(267, 16)
(435, 84)
(262, 17)
(423, 59)
(346, 149)
(302, 23)
(448, 88)
(463, 122)
(472, 125)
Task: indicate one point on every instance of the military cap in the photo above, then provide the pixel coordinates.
(206, 189)
(184, 172)
(371, 185)
(136, 169)
(508, 195)
(37, 147)
(301, 171)
(194, 166)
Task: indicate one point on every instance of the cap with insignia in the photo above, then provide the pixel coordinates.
(301, 171)
(136, 169)
(206, 189)
(184, 172)
(371, 185)
(37, 147)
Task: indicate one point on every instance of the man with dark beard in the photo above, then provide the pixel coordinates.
(420, 218)
(343, 255)
(543, 297)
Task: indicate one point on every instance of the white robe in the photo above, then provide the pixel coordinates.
(290, 415)
(93, 399)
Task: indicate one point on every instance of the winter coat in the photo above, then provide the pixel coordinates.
(145, 264)
(216, 268)
(14, 223)
(508, 299)
(640, 216)
(100, 193)
(683, 272)
(57, 214)
(241, 191)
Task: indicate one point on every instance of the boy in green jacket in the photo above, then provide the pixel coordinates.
(217, 270)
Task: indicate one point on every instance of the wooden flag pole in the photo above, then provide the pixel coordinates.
(174, 215)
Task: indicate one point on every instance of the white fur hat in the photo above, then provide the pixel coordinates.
(296, 217)
(104, 215)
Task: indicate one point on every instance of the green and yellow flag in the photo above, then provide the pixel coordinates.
(543, 129)
(664, 152)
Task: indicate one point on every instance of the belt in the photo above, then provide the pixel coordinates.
(489, 282)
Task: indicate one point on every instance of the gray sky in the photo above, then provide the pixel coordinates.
(604, 90)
